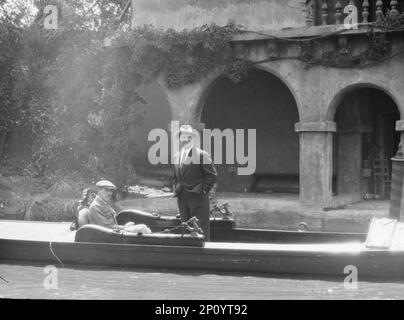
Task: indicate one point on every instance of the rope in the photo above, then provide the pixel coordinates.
(57, 258)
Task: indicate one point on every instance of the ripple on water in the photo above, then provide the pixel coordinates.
(26, 281)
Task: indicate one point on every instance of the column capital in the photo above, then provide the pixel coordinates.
(400, 125)
(316, 126)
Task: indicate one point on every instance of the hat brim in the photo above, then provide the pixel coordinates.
(193, 133)
(110, 188)
(107, 187)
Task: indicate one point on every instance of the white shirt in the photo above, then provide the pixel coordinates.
(184, 154)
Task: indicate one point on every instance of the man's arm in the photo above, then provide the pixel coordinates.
(209, 172)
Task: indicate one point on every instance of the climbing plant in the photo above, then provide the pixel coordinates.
(183, 57)
(392, 21)
(378, 47)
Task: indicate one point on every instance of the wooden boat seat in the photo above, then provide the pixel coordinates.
(94, 233)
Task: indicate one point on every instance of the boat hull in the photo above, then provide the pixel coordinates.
(281, 236)
(287, 252)
(379, 264)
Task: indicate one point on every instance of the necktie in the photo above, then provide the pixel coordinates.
(183, 157)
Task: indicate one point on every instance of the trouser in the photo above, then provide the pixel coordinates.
(192, 204)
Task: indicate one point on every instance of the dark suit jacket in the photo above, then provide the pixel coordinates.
(197, 176)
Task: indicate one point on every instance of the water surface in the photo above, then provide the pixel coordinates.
(27, 281)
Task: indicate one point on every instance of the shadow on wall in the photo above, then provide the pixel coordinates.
(262, 102)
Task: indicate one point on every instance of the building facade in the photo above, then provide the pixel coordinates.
(326, 129)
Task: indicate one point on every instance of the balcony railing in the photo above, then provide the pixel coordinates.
(329, 12)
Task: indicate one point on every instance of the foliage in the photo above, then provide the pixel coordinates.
(65, 92)
(23, 61)
(392, 21)
(183, 57)
(9, 42)
(94, 107)
(378, 47)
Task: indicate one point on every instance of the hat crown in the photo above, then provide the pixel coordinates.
(105, 184)
(186, 128)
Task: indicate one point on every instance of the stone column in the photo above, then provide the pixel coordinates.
(183, 102)
(397, 179)
(315, 164)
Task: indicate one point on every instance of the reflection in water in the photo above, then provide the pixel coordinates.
(27, 281)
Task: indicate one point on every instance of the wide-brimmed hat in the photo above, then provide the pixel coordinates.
(105, 184)
(187, 129)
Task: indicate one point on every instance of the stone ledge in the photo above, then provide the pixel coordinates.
(318, 126)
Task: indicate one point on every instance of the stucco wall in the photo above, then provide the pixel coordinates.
(157, 115)
(256, 15)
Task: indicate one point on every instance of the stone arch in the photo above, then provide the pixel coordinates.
(265, 103)
(211, 80)
(365, 141)
(286, 82)
(339, 96)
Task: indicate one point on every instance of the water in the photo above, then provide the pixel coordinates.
(27, 281)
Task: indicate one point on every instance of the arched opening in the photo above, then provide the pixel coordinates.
(262, 102)
(365, 141)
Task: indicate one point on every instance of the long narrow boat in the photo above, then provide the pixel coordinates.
(305, 254)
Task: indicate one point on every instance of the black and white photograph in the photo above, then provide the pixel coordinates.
(201, 154)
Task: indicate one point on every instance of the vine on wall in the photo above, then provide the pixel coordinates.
(377, 50)
(378, 47)
(183, 57)
(187, 56)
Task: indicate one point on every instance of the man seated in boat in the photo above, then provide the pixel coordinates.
(102, 213)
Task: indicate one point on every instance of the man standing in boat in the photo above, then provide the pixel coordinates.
(103, 214)
(194, 176)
